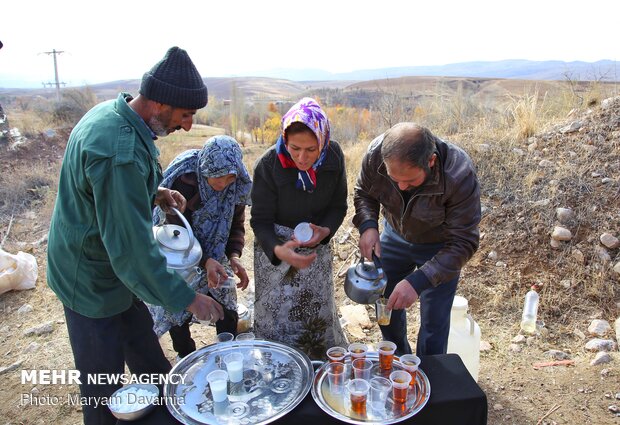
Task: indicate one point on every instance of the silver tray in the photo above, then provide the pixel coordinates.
(338, 405)
(276, 378)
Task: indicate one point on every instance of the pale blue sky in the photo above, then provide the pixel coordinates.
(121, 39)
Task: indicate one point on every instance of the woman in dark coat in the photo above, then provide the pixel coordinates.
(302, 178)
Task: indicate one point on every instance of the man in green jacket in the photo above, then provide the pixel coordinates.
(102, 257)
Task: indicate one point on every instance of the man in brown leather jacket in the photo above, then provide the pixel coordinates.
(431, 205)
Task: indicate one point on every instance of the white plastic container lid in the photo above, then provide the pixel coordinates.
(459, 303)
(303, 232)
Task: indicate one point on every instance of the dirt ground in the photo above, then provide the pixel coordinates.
(517, 392)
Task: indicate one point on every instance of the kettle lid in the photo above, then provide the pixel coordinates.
(173, 237)
(367, 270)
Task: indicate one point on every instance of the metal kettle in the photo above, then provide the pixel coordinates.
(181, 249)
(365, 281)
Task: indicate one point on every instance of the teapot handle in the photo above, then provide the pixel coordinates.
(189, 231)
(378, 265)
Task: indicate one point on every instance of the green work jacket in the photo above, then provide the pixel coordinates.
(101, 249)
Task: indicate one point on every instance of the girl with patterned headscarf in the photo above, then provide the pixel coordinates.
(217, 187)
(302, 178)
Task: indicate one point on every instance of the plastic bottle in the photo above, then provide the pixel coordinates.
(464, 336)
(530, 310)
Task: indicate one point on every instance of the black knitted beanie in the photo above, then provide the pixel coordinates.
(175, 81)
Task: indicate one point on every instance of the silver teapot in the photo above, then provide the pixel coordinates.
(365, 281)
(181, 249)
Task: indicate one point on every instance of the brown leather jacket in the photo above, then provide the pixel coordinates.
(446, 208)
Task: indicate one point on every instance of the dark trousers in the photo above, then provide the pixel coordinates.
(105, 345)
(181, 336)
(399, 258)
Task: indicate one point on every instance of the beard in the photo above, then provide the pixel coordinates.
(160, 124)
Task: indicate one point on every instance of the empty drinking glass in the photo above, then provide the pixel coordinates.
(379, 390)
(224, 337)
(245, 336)
(248, 337)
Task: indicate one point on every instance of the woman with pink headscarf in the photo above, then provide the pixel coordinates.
(301, 178)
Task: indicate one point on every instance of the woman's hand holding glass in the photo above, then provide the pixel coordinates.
(239, 270)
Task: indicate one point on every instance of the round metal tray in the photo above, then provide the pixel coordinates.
(339, 406)
(276, 378)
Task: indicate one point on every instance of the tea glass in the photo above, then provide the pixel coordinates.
(386, 354)
(358, 390)
(362, 369)
(384, 314)
(336, 354)
(410, 363)
(336, 376)
(400, 385)
(358, 350)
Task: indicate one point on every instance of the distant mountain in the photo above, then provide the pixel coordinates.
(521, 69)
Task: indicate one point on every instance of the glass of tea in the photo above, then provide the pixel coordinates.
(336, 354)
(400, 385)
(336, 377)
(410, 363)
(362, 368)
(386, 354)
(383, 313)
(358, 350)
(358, 389)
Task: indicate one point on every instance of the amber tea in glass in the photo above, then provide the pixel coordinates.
(358, 390)
(358, 404)
(400, 385)
(383, 314)
(358, 351)
(386, 354)
(336, 354)
(411, 363)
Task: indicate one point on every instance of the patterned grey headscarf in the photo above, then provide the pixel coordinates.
(220, 156)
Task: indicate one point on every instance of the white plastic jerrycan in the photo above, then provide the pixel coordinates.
(464, 337)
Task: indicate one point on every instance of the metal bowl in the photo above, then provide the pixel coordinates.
(133, 414)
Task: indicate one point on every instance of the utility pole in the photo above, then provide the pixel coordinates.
(56, 52)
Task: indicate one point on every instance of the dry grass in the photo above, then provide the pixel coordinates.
(177, 142)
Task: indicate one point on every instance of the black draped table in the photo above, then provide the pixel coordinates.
(455, 399)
